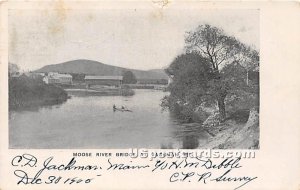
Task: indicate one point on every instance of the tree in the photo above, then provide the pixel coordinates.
(190, 75)
(78, 77)
(129, 78)
(220, 49)
(13, 68)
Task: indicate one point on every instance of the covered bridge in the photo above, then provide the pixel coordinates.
(103, 80)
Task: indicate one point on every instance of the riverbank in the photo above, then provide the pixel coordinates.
(82, 85)
(101, 92)
(28, 92)
(233, 134)
(148, 86)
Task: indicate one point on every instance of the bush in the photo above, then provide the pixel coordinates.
(180, 111)
(25, 91)
(241, 101)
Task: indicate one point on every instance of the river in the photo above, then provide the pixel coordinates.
(90, 122)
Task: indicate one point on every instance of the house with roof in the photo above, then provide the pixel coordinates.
(103, 80)
(57, 78)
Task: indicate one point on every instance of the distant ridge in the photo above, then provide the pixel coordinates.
(96, 68)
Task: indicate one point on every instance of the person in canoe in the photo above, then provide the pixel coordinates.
(122, 109)
(125, 109)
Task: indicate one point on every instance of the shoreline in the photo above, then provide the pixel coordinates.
(234, 135)
(100, 92)
(36, 103)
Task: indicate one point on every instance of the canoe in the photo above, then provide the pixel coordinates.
(122, 110)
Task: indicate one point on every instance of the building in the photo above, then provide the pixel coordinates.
(65, 78)
(103, 81)
(57, 78)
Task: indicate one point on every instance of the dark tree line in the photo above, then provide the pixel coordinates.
(213, 66)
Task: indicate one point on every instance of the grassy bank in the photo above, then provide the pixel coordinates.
(26, 92)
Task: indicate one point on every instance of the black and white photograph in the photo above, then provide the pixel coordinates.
(134, 78)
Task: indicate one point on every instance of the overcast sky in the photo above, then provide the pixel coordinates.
(135, 38)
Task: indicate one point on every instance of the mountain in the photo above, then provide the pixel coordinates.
(90, 67)
(161, 71)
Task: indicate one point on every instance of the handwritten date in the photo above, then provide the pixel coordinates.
(30, 161)
(24, 179)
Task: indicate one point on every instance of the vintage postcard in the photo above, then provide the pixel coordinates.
(149, 95)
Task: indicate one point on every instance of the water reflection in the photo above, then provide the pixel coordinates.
(89, 122)
(36, 108)
(189, 135)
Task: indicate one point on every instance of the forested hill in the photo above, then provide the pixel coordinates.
(96, 68)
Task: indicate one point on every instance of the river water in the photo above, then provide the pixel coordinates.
(90, 122)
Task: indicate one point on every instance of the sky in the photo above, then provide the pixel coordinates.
(132, 38)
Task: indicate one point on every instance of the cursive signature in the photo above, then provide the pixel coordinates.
(198, 170)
